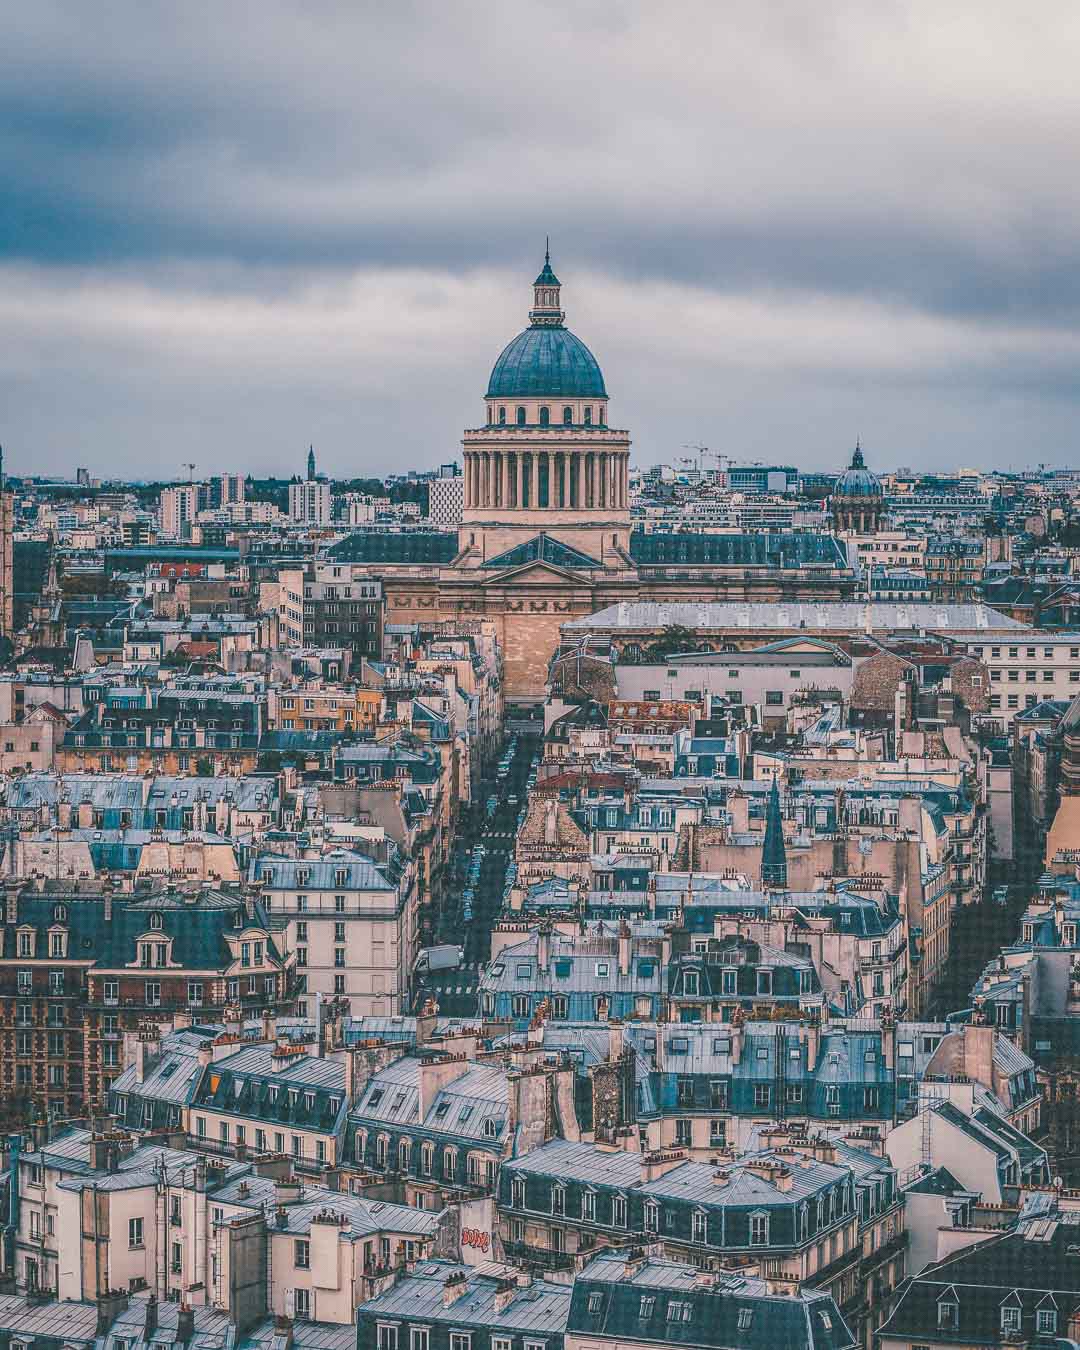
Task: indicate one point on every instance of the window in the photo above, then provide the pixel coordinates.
(762, 1093)
(652, 1217)
(302, 1303)
(746, 1318)
(596, 1302)
(759, 1229)
(545, 417)
(646, 1306)
(521, 417)
(302, 1254)
(1010, 1318)
(699, 1226)
(135, 1233)
(678, 1310)
(588, 1205)
(774, 697)
(948, 1314)
(1046, 1322)
(461, 1340)
(618, 1211)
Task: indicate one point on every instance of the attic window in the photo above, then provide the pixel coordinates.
(746, 1318)
(491, 1127)
(155, 920)
(376, 1097)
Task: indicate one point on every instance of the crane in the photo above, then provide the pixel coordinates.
(187, 464)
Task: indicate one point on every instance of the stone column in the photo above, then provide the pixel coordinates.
(534, 478)
(517, 480)
(504, 460)
(565, 503)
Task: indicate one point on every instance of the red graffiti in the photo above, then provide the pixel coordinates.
(472, 1237)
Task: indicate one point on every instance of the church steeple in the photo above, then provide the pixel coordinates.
(311, 463)
(773, 852)
(546, 291)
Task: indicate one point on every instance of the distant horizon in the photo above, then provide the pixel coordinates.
(773, 230)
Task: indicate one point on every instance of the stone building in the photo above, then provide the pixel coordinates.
(546, 529)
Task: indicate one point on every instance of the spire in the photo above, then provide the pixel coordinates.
(311, 463)
(773, 853)
(857, 461)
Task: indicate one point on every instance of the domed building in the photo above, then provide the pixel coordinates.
(545, 534)
(546, 461)
(857, 500)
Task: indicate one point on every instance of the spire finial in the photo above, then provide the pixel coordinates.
(547, 248)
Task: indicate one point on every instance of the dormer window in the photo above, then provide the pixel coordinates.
(26, 941)
(60, 914)
(155, 920)
(948, 1314)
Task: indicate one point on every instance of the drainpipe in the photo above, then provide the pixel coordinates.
(11, 1228)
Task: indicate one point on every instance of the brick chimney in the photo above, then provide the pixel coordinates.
(454, 1287)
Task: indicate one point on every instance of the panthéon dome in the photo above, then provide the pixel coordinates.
(546, 360)
(858, 481)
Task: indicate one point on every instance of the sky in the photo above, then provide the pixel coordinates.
(231, 231)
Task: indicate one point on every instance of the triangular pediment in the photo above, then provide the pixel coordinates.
(545, 548)
(532, 574)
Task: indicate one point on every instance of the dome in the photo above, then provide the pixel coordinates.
(546, 362)
(857, 481)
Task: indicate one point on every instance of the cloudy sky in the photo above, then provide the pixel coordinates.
(229, 230)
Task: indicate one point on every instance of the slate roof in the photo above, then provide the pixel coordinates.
(772, 549)
(736, 1313)
(1013, 1268)
(461, 1109)
(410, 546)
(280, 872)
(828, 616)
(197, 929)
(540, 1307)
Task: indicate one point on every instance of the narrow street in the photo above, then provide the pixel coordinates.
(483, 853)
(978, 934)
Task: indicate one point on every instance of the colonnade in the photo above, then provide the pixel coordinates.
(556, 480)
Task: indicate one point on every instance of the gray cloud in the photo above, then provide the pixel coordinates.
(244, 227)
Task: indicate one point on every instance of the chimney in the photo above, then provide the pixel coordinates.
(812, 1034)
(979, 1053)
(658, 1164)
(185, 1323)
(543, 947)
(454, 1287)
(505, 1292)
(433, 1075)
(150, 1324)
(63, 813)
(426, 1022)
(286, 1192)
(11, 901)
(624, 947)
(109, 1307)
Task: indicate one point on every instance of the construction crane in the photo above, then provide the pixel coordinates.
(187, 464)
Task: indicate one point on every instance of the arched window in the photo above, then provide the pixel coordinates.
(521, 417)
(588, 417)
(489, 414)
(567, 416)
(601, 416)
(155, 920)
(502, 417)
(544, 417)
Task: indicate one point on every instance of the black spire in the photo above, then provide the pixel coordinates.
(773, 853)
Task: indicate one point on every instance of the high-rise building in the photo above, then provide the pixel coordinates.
(177, 509)
(226, 489)
(309, 502)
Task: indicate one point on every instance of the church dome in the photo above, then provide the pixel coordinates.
(857, 481)
(546, 362)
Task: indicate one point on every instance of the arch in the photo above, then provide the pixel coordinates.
(568, 416)
(521, 417)
(502, 417)
(588, 417)
(545, 416)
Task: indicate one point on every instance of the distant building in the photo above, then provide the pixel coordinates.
(446, 500)
(309, 502)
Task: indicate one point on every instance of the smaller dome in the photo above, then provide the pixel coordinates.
(858, 481)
